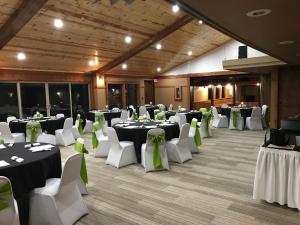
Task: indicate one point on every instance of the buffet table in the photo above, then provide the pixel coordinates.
(277, 177)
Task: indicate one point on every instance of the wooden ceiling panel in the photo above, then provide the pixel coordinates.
(7, 8)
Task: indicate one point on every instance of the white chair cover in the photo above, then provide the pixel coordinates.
(240, 120)
(60, 115)
(203, 129)
(75, 130)
(224, 105)
(182, 118)
(175, 119)
(143, 111)
(170, 107)
(10, 118)
(60, 201)
(124, 115)
(219, 121)
(115, 121)
(147, 152)
(65, 136)
(9, 137)
(103, 147)
(255, 121)
(9, 215)
(162, 107)
(88, 126)
(47, 138)
(120, 153)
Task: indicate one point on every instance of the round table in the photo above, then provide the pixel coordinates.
(108, 115)
(31, 173)
(137, 132)
(188, 114)
(49, 125)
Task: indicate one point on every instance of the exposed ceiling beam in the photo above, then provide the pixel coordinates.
(157, 37)
(18, 19)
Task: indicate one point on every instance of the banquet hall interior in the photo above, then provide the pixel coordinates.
(168, 112)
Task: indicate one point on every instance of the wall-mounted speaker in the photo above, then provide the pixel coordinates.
(243, 52)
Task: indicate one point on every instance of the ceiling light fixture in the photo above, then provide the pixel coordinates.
(259, 12)
(91, 63)
(286, 42)
(58, 23)
(190, 53)
(200, 22)
(158, 46)
(257, 84)
(128, 39)
(175, 8)
(124, 66)
(158, 69)
(21, 56)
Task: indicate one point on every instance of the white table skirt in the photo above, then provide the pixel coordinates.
(277, 177)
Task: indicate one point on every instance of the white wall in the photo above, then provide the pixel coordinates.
(212, 61)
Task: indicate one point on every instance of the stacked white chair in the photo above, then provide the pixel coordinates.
(38, 131)
(75, 128)
(124, 115)
(148, 151)
(121, 153)
(47, 138)
(219, 120)
(194, 136)
(255, 121)
(182, 118)
(8, 137)
(143, 111)
(239, 120)
(60, 201)
(205, 129)
(178, 148)
(60, 115)
(10, 118)
(65, 136)
(9, 215)
(115, 121)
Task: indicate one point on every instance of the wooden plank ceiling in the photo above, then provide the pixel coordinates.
(95, 30)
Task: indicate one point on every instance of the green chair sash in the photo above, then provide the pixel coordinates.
(79, 147)
(33, 129)
(134, 115)
(99, 117)
(197, 136)
(203, 110)
(206, 118)
(160, 116)
(235, 116)
(156, 140)
(1, 142)
(80, 121)
(156, 111)
(5, 190)
(96, 127)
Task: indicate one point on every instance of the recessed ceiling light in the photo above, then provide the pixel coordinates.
(58, 23)
(200, 21)
(124, 66)
(190, 53)
(158, 46)
(259, 12)
(286, 42)
(21, 56)
(128, 39)
(158, 69)
(91, 63)
(175, 8)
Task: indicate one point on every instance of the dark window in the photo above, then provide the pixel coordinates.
(59, 97)
(8, 101)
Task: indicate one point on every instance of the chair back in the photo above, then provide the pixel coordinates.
(184, 134)
(5, 131)
(71, 170)
(60, 115)
(37, 132)
(182, 118)
(124, 115)
(170, 107)
(115, 121)
(175, 119)
(162, 107)
(155, 132)
(256, 113)
(10, 118)
(215, 112)
(47, 138)
(113, 137)
(224, 105)
(68, 124)
(264, 109)
(143, 110)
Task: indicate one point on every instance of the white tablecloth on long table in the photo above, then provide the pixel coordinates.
(277, 177)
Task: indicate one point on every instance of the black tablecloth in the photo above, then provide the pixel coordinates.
(150, 109)
(48, 125)
(245, 112)
(108, 115)
(189, 115)
(139, 135)
(32, 173)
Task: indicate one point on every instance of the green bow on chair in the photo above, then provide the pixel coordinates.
(33, 129)
(99, 117)
(235, 116)
(1, 142)
(156, 111)
(79, 147)
(206, 118)
(80, 121)
(156, 140)
(134, 115)
(267, 117)
(5, 190)
(203, 110)
(96, 126)
(197, 137)
(160, 116)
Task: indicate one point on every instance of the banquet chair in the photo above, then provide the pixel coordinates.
(182, 118)
(240, 120)
(192, 133)
(121, 153)
(178, 148)
(103, 147)
(143, 111)
(47, 138)
(255, 121)
(224, 106)
(148, 149)
(59, 202)
(28, 132)
(175, 119)
(60, 115)
(266, 116)
(161, 107)
(10, 118)
(115, 121)
(219, 120)
(65, 136)
(9, 137)
(75, 130)
(124, 115)
(170, 107)
(205, 129)
(9, 215)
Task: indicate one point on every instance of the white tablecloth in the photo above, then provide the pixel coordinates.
(277, 177)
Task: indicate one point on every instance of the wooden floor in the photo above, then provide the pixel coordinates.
(213, 188)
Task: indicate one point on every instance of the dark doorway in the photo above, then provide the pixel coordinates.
(149, 92)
